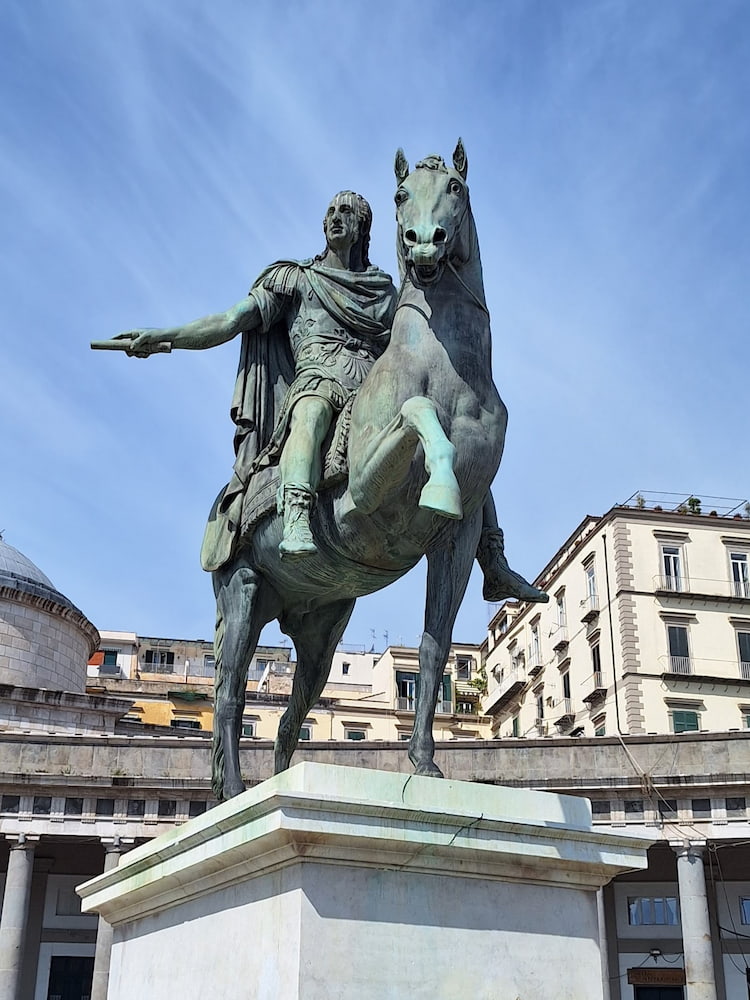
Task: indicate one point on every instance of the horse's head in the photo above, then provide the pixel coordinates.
(432, 207)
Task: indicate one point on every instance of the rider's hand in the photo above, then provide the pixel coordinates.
(143, 343)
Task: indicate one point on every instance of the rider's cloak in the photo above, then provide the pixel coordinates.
(360, 303)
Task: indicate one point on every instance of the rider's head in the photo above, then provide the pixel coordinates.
(359, 207)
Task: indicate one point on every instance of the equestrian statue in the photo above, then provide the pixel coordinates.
(368, 431)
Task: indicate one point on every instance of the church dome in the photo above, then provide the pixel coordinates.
(45, 641)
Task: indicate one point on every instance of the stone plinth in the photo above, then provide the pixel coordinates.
(331, 882)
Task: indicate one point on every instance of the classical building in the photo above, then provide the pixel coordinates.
(84, 776)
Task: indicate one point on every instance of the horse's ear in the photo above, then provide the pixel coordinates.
(459, 159)
(401, 166)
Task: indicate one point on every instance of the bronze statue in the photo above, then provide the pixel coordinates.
(399, 438)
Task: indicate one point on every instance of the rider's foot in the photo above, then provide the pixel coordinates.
(296, 504)
(500, 581)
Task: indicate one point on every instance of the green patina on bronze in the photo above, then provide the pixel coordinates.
(370, 421)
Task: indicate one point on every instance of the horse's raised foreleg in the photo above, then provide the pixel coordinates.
(386, 460)
(244, 604)
(315, 635)
(448, 570)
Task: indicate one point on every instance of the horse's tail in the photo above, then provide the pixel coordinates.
(217, 752)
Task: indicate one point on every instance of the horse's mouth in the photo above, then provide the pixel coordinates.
(427, 274)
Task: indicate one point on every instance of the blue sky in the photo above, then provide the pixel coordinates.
(154, 157)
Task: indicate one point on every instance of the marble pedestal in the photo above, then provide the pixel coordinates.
(326, 883)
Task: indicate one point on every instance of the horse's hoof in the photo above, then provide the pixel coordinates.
(429, 770)
(232, 789)
(445, 500)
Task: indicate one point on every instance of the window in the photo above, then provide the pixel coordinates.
(701, 808)
(10, 803)
(185, 724)
(562, 618)
(355, 734)
(345, 668)
(600, 808)
(167, 808)
(671, 560)
(305, 733)
(42, 805)
(248, 729)
(535, 656)
(600, 725)
(465, 707)
(745, 910)
(105, 807)
(634, 808)
(209, 661)
(516, 730)
(684, 721)
(109, 662)
(596, 663)
(136, 807)
(668, 809)
(463, 668)
(74, 807)
(590, 573)
(404, 737)
(740, 575)
(679, 649)
(652, 910)
(566, 686)
(406, 685)
(743, 648)
(196, 808)
(540, 707)
(735, 806)
(159, 661)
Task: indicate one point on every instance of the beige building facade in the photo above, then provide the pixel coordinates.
(647, 629)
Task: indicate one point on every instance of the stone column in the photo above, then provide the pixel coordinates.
(113, 850)
(15, 914)
(696, 929)
(603, 943)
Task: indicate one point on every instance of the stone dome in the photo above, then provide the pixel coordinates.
(45, 641)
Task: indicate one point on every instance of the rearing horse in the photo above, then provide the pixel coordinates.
(426, 438)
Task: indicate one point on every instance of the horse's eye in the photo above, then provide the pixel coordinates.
(401, 197)
(454, 187)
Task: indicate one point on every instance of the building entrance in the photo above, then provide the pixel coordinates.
(70, 978)
(659, 993)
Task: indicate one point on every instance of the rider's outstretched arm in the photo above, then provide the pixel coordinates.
(209, 331)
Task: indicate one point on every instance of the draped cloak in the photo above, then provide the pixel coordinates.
(360, 304)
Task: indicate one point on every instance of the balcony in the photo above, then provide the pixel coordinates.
(597, 690)
(738, 590)
(565, 720)
(535, 665)
(560, 638)
(511, 682)
(410, 705)
(590, 608)
(705, 670)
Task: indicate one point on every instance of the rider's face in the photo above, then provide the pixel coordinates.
(341, 225)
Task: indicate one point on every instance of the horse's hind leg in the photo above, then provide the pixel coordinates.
(448, 571)
(385, 463)
(315, 635)
(244, 604)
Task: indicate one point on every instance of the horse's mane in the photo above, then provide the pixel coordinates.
(432, 162)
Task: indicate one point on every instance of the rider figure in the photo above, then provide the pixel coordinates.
(316, 326)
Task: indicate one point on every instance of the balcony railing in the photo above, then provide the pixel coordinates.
(738, 589)
(559, 637)
(406, 704)
(590, 607)
(689, 666)
(680, 665)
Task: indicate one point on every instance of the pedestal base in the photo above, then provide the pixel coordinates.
(325, 883)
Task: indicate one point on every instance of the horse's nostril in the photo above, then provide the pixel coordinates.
(440, 236)
(410, 236)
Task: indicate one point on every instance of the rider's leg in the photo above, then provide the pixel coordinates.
(300, 469)
(500, 581)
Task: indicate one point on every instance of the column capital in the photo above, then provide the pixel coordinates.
(688, 848)
(22, 841)
(116, 845)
